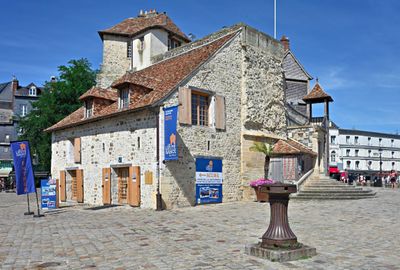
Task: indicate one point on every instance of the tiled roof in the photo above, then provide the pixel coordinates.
(154, 82)
(110, 94)
(317, 94)
(134, 26)
(291, 147)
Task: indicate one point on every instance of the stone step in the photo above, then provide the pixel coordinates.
(328, 197)
(336, 192)
(329, 186)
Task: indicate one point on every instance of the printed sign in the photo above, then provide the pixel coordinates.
(25, 181)
(208, 180)
(170, 144)
(48, 193)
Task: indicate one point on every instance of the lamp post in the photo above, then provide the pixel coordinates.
(379, 184)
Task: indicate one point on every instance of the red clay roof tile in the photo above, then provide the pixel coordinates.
(134, 26)
(158, 80)
(317, 94)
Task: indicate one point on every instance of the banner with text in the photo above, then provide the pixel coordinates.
(25, 181)
(208, 180)
(170, 140)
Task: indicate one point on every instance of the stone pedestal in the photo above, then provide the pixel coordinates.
(279, 243)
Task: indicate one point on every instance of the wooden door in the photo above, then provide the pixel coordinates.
(134, 186)
(63, 193)
(106, 185)
(123, 174)
(79, 186)
(74, 186)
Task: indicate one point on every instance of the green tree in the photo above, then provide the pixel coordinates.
(268, 150)
(58, 99)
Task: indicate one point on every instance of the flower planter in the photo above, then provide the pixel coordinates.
(261, 196)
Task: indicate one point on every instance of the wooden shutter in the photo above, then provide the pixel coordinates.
(220, 112)
(106, 185)
(134, 186)
(79, 186)
(63, 196)
(77, 150)
(185, 106)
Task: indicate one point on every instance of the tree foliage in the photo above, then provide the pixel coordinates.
(58, 99)
(265, 148)
(268, 150)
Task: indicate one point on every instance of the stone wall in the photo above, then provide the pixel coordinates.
(178, 177)
(263, 96)
(115, 61)
(102, 142)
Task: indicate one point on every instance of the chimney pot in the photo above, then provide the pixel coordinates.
(14, 84)
(285, 42)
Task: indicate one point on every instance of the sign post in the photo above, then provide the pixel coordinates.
(48, 192)
(208, 180)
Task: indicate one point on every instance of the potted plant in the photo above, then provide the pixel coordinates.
(256, 184)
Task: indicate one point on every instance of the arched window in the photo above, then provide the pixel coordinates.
(333, 156)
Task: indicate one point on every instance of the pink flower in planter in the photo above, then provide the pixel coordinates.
(260, 182)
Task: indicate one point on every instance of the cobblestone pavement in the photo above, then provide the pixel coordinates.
(361, 234)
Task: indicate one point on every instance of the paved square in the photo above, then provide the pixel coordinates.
(360, 234)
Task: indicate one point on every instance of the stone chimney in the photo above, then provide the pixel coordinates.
(14, 84)
(285, 42)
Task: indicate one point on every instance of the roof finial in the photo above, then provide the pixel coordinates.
(317, 80)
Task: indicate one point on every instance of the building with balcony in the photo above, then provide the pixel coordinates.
(364, 152)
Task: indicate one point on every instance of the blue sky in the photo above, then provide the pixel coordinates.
(351, 46)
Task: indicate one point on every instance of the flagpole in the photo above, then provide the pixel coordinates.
(29, 210)
(37, 203)
(274, 19)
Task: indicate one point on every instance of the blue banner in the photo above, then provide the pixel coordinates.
(48, 193)
(208, 180)
(25, 181)
(170, 138)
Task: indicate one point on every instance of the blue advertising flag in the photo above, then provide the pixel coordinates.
(25, 182)
(170, 140)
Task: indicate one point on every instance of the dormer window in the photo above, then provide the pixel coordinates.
(172, 44)
(32, 91)
(123, 99)
(88, 108)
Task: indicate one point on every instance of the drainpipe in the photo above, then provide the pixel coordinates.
(158, 195)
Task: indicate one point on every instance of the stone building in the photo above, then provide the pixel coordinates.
(15, 102)
(230, 91)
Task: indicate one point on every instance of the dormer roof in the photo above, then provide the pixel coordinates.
(133, 26)
(317, 94)
(97, 92)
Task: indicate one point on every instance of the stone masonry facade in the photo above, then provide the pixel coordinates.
(246, 71)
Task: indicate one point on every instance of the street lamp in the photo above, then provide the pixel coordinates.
(379, 184)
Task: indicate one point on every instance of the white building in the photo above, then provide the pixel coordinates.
(361, 151)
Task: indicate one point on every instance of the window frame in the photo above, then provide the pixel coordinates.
(122, 103)
(34, 91)
(24, 110)
(88, 111)
(196, 119)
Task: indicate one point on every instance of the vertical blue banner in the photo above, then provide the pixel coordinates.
(170, 138)
(208, 180)
(48, 193)
(25, 181)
